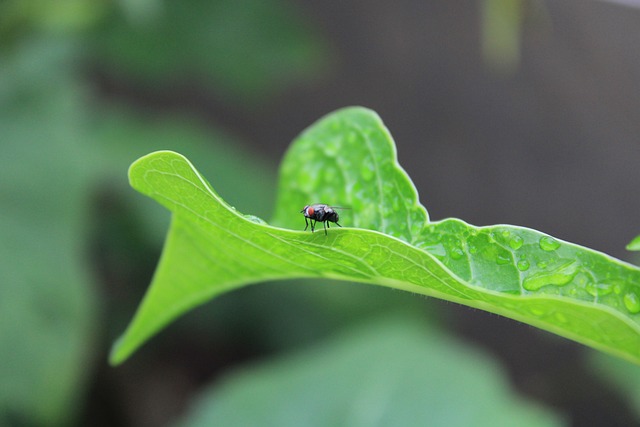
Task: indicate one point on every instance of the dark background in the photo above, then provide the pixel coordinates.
(545, 136)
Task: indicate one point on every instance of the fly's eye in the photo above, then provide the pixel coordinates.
(310, 211)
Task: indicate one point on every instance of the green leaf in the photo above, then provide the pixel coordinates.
(622, 377)
(389, 372)
(348, 158)
(502, 27)
(124, 134)
(634, 245)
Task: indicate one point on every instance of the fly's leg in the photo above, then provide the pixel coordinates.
(306, 224)
(313, 225)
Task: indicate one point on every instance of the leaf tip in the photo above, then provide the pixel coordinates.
(118, 353)
(634, 245)
(142, 161)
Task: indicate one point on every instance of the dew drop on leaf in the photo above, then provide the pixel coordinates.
(456, 253)
(560, 317)
(556, 277)
(353, 137)
(537, 311)
(503, 258)
(396, 205)
(599, 289)
(331, 148)
(367, 170)
(516, 242)
(632, 302)
(255, 219)
(388, 187)
(523, 265)
(549, 244)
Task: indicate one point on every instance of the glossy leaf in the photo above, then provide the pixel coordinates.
(390, 372)
(348, 158)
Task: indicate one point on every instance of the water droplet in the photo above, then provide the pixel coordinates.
(352, 137)
(542, 264)
(367, 170)
(516, 242)
(560, 317)
(255, 219)
(473, 249)
(632, 302)
(523, 265)
(560, 276)
(537, 311)
(599, 289)
(331, 147)
(548, 243)
(503, 258)
(456, 253)
(436, 250)
(505, 234)
(388, 187)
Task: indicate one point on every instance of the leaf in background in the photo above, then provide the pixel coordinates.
(247, 49)
(502, 27)
(391, 372)
(53, 17)
(520, 273)
(47, 306)
(634, 245)
(621, 376)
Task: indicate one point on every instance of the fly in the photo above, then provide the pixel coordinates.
(319, 212)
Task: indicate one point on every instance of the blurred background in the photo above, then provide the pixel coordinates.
(503, 111)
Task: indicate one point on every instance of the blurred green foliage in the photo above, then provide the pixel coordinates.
(389, 372)
(22, 18)
(47, 308)
(619, 375)
(501, 33)
(61, 145)
(246, 49)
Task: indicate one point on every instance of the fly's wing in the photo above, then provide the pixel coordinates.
(330, 206)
